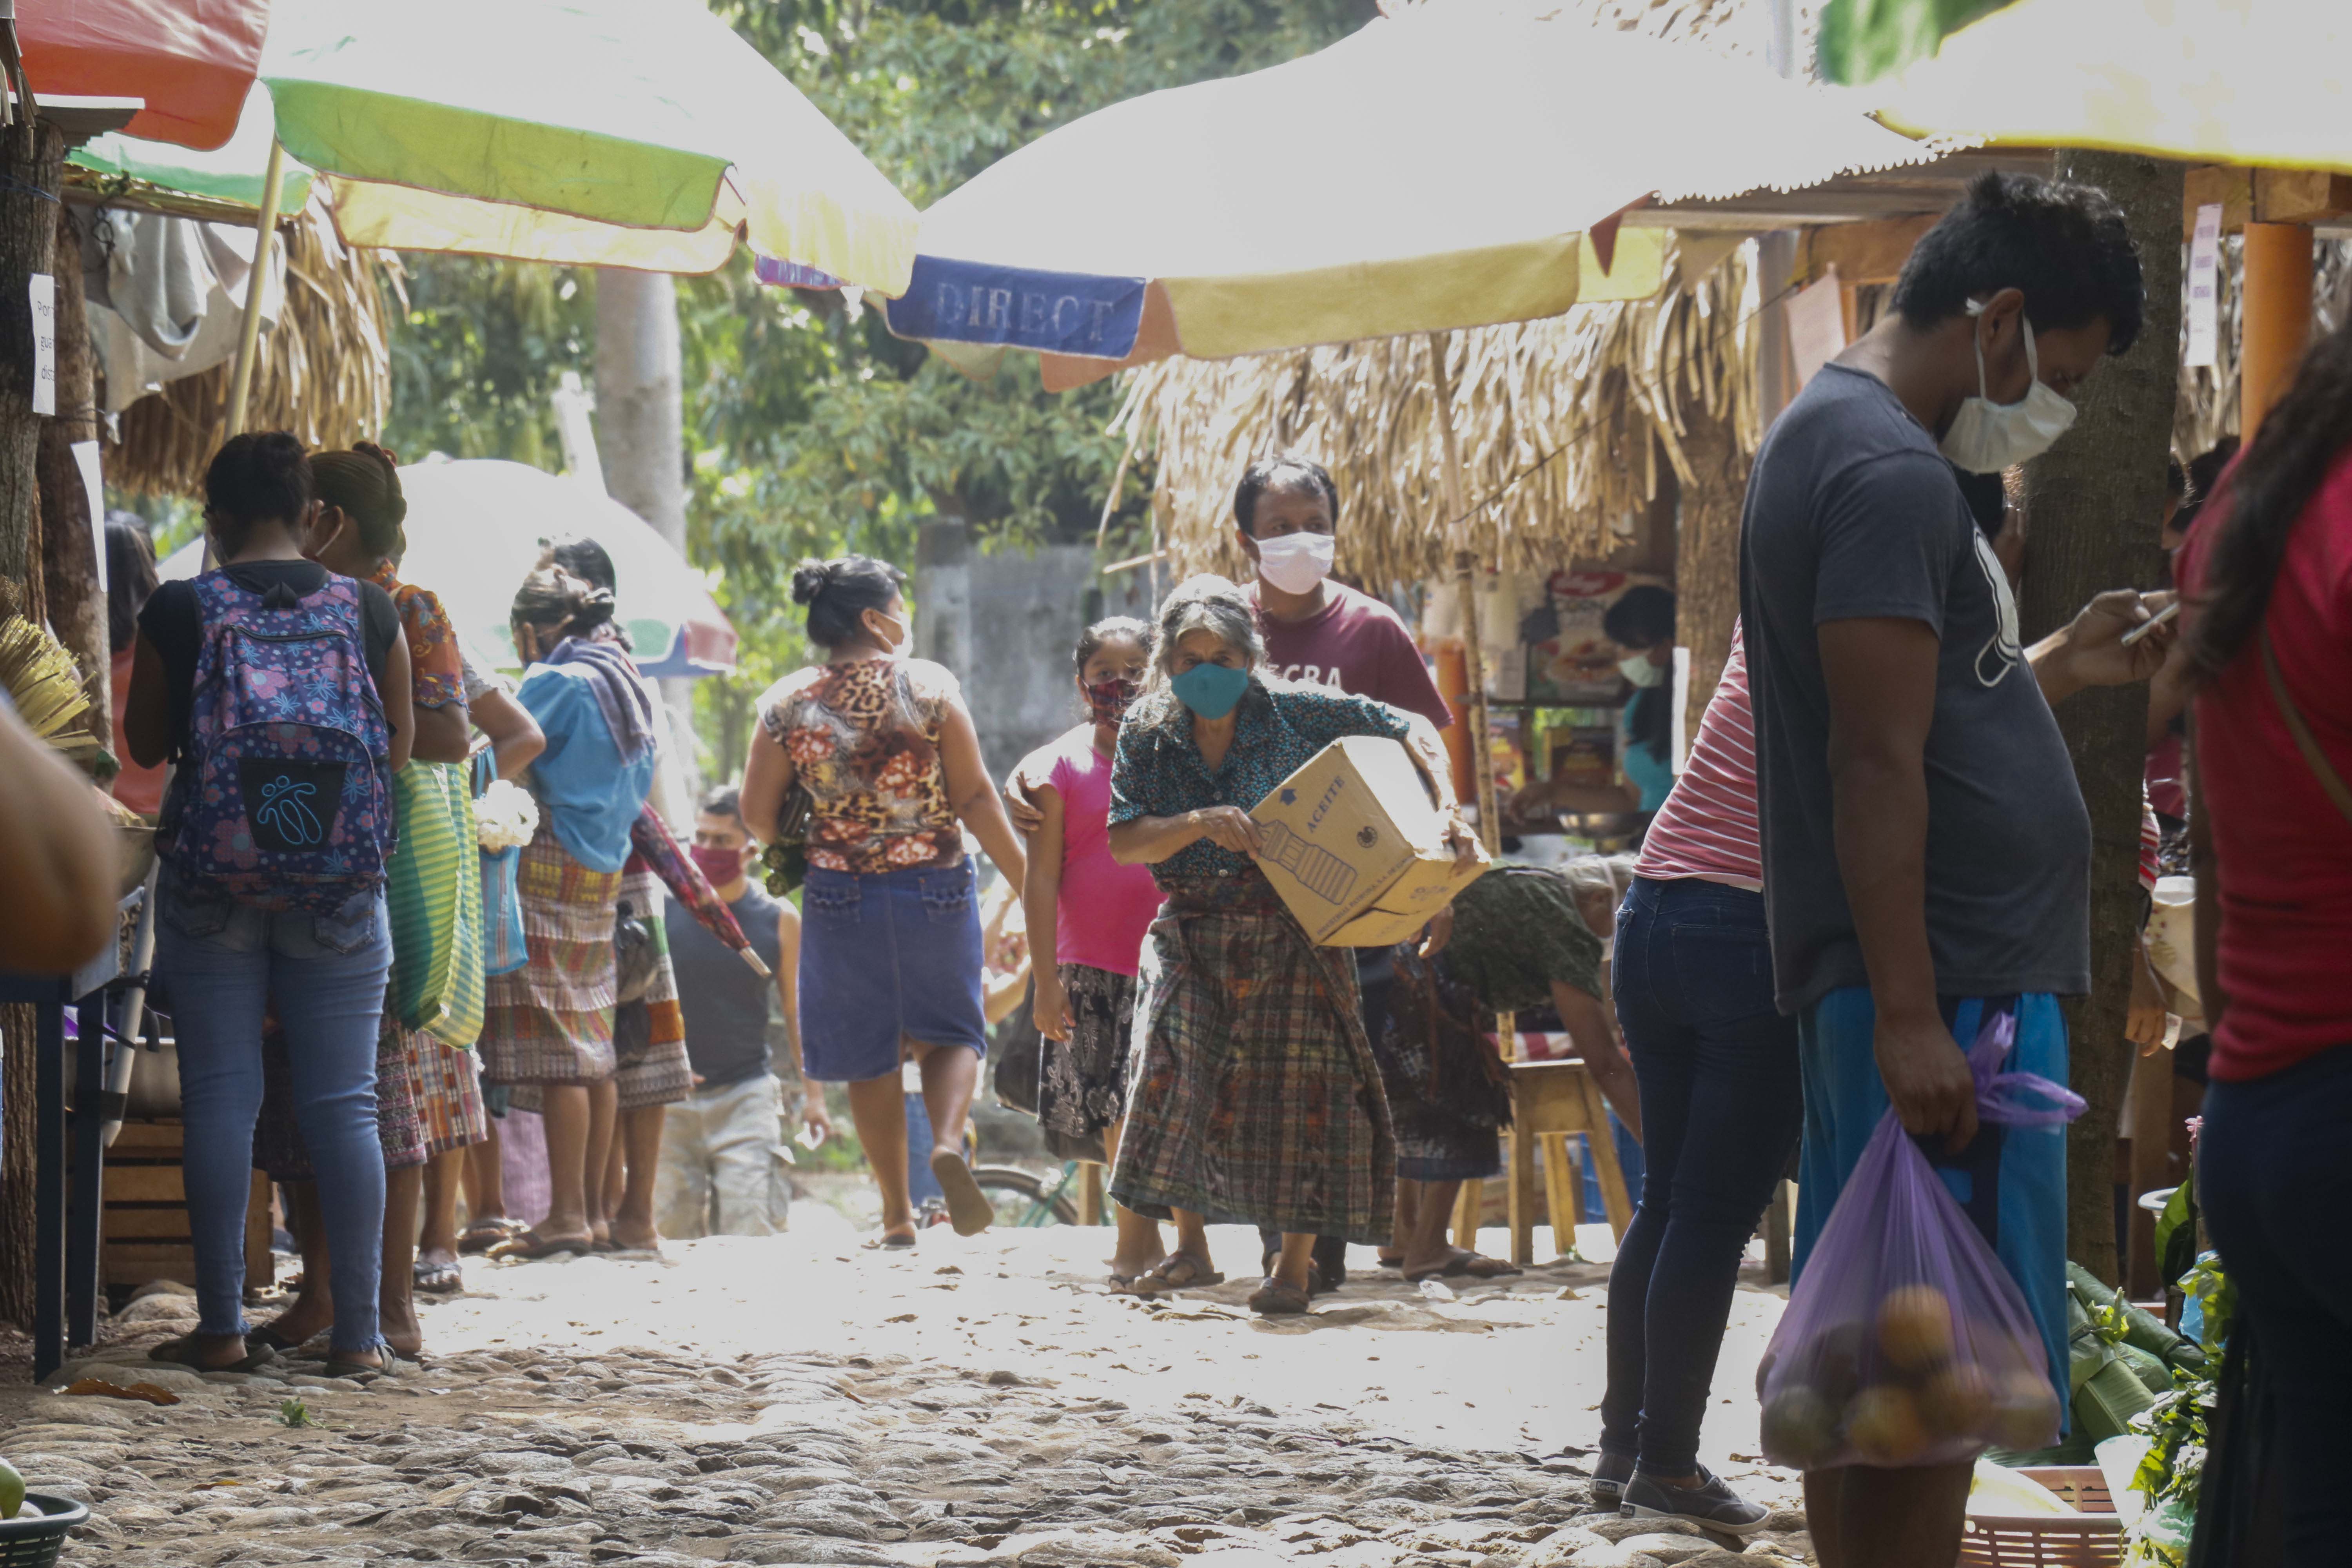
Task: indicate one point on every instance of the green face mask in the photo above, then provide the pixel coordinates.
(1210, 689)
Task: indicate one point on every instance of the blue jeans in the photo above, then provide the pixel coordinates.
(1721, 1110)
(225, 963)
(2275, 1175)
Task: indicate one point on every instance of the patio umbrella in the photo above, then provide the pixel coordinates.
(191, 60)
(1449, 166)
(474, 528)
(628, 133)
(1452, 165)
(2204, 81)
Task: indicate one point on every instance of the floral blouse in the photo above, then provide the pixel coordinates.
(865, 738)
(436, 663)
(1160, 771)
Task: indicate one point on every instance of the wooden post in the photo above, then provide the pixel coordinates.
(1706, 555)
(69, 551)
(249, 336)
(2276, 309)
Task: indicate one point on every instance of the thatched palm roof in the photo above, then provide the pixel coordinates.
(1562, 424)
(324, 371)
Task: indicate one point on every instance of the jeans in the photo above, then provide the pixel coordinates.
(225, 963)
(1721, 1110)
(2275, 1175)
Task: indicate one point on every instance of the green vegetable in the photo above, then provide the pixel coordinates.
(12, 1490)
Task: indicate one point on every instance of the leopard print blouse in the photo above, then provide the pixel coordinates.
(864, 737)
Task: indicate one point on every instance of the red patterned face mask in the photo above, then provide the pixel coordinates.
(1108, 701)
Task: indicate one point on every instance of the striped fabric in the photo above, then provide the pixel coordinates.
(650, 1065)
(433, 892)
(1707, 827)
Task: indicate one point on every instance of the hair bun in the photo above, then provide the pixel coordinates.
(810, 579)
(595, 605)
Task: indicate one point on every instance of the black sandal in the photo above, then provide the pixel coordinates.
(1278, 1298)
(185, 1351)
(1161, 1276)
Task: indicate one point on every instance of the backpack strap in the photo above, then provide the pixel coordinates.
(2307, 743)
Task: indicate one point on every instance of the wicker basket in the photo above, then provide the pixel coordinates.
(2091, 1539)
(35, 1542)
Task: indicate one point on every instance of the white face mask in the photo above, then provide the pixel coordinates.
(1295, 563)
(1641, 669)
(1989, 437)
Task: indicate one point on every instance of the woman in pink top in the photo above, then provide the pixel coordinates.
(1099, 912)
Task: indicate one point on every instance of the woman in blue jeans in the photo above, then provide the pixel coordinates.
(271, 895)
(1721, 1111)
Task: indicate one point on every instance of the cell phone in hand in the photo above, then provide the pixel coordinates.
(2149, 625)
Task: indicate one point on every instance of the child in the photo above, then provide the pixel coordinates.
(1096, 911)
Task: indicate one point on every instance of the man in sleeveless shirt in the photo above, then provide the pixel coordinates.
(723, 1170)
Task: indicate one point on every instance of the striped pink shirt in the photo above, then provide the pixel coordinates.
(1706, 829)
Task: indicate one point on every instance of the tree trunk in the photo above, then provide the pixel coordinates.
(2093, 507)
(69, 560)
(29, 161)
(641, 438)
(1706, 556)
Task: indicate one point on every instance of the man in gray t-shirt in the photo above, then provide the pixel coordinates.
(1926, 851)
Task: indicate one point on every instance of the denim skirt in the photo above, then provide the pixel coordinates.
(887, 956)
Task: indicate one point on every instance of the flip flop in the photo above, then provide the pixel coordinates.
(185, 1351)
(890, 1241)
(1278, 1298)
(394, 1364)
(266, 1337)
(439, 1279)
(531, 1245)
(1161, 1276)
(483, 1233)
(969, 1209)
(1389, 1262)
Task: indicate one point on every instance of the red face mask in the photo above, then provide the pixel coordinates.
(722, 865)
(1108, 701)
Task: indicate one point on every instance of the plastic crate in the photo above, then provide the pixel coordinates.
(2094, 1538)
(35, 1542)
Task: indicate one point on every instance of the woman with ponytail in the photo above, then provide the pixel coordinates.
(2268, 580)
(549, 1025)
(429, 1094)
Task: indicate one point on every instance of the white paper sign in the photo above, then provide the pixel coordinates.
(1816, 325)
(1682, 708)
(45, 344)
(85, 455)
(2204, 278)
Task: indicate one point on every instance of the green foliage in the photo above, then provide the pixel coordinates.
(293, 1412)
(477, 346)
(1862, 40)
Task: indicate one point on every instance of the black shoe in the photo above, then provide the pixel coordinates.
(1610, 1474)
(1711, 1505)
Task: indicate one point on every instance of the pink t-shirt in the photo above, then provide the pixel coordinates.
(1357, 645)
(1105, 908)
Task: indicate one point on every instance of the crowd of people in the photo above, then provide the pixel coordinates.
(1876, 845)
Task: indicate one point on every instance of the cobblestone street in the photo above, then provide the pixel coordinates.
(798, 1400)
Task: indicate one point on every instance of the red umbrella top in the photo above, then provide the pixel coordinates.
(193, 61)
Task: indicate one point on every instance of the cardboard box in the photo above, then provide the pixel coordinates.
(1355, 848)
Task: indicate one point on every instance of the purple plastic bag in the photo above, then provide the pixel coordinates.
(1906, 1343)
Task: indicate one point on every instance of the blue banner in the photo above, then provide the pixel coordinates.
(1052, 312)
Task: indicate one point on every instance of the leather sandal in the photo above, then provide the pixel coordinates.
(1279, 1298)
(1177, 1271)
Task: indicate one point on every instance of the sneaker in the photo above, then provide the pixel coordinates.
(1610, 1475)
(1710, 1505)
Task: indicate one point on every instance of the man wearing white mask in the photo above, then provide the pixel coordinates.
(1319, 631)
(1925, 848)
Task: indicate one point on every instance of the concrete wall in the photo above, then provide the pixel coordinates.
(1005, 624)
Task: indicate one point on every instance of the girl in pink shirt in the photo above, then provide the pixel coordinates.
(1094, 913)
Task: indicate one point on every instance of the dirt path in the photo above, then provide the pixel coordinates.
(800, 1400)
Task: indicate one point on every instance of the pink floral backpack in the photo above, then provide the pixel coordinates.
(283, 798)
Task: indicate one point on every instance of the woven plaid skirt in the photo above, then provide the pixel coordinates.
(278, 1147)
(649, 1036)
(551, 1020)
(1256, 1099)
